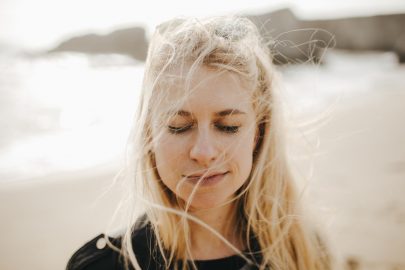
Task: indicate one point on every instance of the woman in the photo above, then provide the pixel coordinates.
(209, 160)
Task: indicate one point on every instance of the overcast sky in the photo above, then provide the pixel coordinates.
(42, 23)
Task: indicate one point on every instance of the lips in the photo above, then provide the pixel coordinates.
(205, 175)
(208, 180)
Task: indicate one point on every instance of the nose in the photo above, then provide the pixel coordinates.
(204, 150)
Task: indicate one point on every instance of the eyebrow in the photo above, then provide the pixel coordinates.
(229, 112)
(221, 113)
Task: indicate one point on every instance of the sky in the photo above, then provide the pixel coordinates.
(42, 24)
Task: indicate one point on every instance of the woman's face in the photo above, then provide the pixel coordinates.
(207, 146)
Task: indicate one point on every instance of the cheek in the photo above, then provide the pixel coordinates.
(242, 155)
(245, 159)
(169, 154)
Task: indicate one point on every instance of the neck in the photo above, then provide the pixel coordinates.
(206, 245)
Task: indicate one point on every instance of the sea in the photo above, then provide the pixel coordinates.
(69, 111)
(64, 112)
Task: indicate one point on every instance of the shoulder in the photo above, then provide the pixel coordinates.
(96, 254)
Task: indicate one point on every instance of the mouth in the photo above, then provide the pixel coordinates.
(209, 179)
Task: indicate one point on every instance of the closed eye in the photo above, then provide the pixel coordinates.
(222, 128)
(228, 129)
(177, 130)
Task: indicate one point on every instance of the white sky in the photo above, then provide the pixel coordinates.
(42, 23)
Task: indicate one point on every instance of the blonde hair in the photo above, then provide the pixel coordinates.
(268, 208)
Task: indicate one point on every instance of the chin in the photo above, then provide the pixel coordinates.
(207, 203)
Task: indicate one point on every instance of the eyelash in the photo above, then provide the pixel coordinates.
(228, 129)
(177, 130)
(223, 128)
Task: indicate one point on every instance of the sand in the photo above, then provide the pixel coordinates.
(353, 168)
(45, 220)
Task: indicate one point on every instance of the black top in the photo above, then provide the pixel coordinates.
(96, 255)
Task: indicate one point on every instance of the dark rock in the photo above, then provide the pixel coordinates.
(130, 41)
(289, 43)
(291, 40)
(294, 40)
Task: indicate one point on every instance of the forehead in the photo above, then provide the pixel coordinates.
(206, 90)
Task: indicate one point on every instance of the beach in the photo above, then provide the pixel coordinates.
(358, 181)
(45, 220)
(350, 164)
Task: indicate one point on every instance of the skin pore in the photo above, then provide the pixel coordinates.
(204, 155)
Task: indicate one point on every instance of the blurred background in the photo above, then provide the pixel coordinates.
(70, 75)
